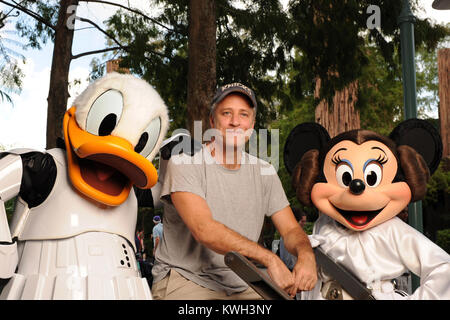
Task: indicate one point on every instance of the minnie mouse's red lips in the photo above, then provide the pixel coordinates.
(358, 219)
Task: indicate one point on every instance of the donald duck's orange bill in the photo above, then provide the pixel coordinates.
(104, 168)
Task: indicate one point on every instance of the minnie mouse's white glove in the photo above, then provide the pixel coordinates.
(387, 292)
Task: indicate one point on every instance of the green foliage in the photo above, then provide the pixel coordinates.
(332, 34)
(11, 74)
(438, 185)
(35, 30)
(276, 235)
(443, 239)
(256, 32)
(326, 32)
(159, 56)
(248, 47)
(255, 41)
(98, 69)
(380, 94)
(4, 96)
(427, 76)
(303, 112)
(9, 207)
(11, 79)
(308, 227)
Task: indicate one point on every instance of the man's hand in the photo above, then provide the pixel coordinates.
(302, 278)
(297, 243)
(304, 272)
(280, 274)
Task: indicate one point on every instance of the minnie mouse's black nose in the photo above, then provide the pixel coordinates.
(357, 186)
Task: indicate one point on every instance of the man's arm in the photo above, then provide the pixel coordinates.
(216, 236)
(297, 243)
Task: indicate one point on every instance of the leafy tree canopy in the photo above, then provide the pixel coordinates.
(11, 74)
(332, 36)
(255, 42)
(37, 21)
(248, 46)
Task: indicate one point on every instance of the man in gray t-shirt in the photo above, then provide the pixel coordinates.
(214, 203)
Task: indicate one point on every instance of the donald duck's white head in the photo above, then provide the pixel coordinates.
(112, 132)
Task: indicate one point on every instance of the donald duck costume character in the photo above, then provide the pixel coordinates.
(71, 236)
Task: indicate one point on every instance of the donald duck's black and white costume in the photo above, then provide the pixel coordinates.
(72, 233)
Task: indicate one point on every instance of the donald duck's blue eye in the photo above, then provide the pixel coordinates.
(105, 113)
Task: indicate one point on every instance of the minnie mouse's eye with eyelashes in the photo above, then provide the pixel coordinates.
(336, 160)
(344, 174)
(382, 159)
(373, 174)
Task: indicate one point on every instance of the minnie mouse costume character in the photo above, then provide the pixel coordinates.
(360, 181)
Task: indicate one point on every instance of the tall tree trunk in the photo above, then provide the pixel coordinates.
(342, 116)
(59, 75)
(444, 98)
(201, 61)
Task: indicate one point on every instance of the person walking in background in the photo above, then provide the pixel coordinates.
(139, 242)
(157, 233)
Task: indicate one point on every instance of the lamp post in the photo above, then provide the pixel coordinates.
(406, 22)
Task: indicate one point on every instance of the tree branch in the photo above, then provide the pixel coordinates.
(115, 40)
(34, 15)
(84, 28)
(134, 11)
(99, 51)
(100, 29)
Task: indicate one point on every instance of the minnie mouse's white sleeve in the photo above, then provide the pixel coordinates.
(427, 260)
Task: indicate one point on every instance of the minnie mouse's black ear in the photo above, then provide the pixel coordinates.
(423, 137)
(302, 138)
